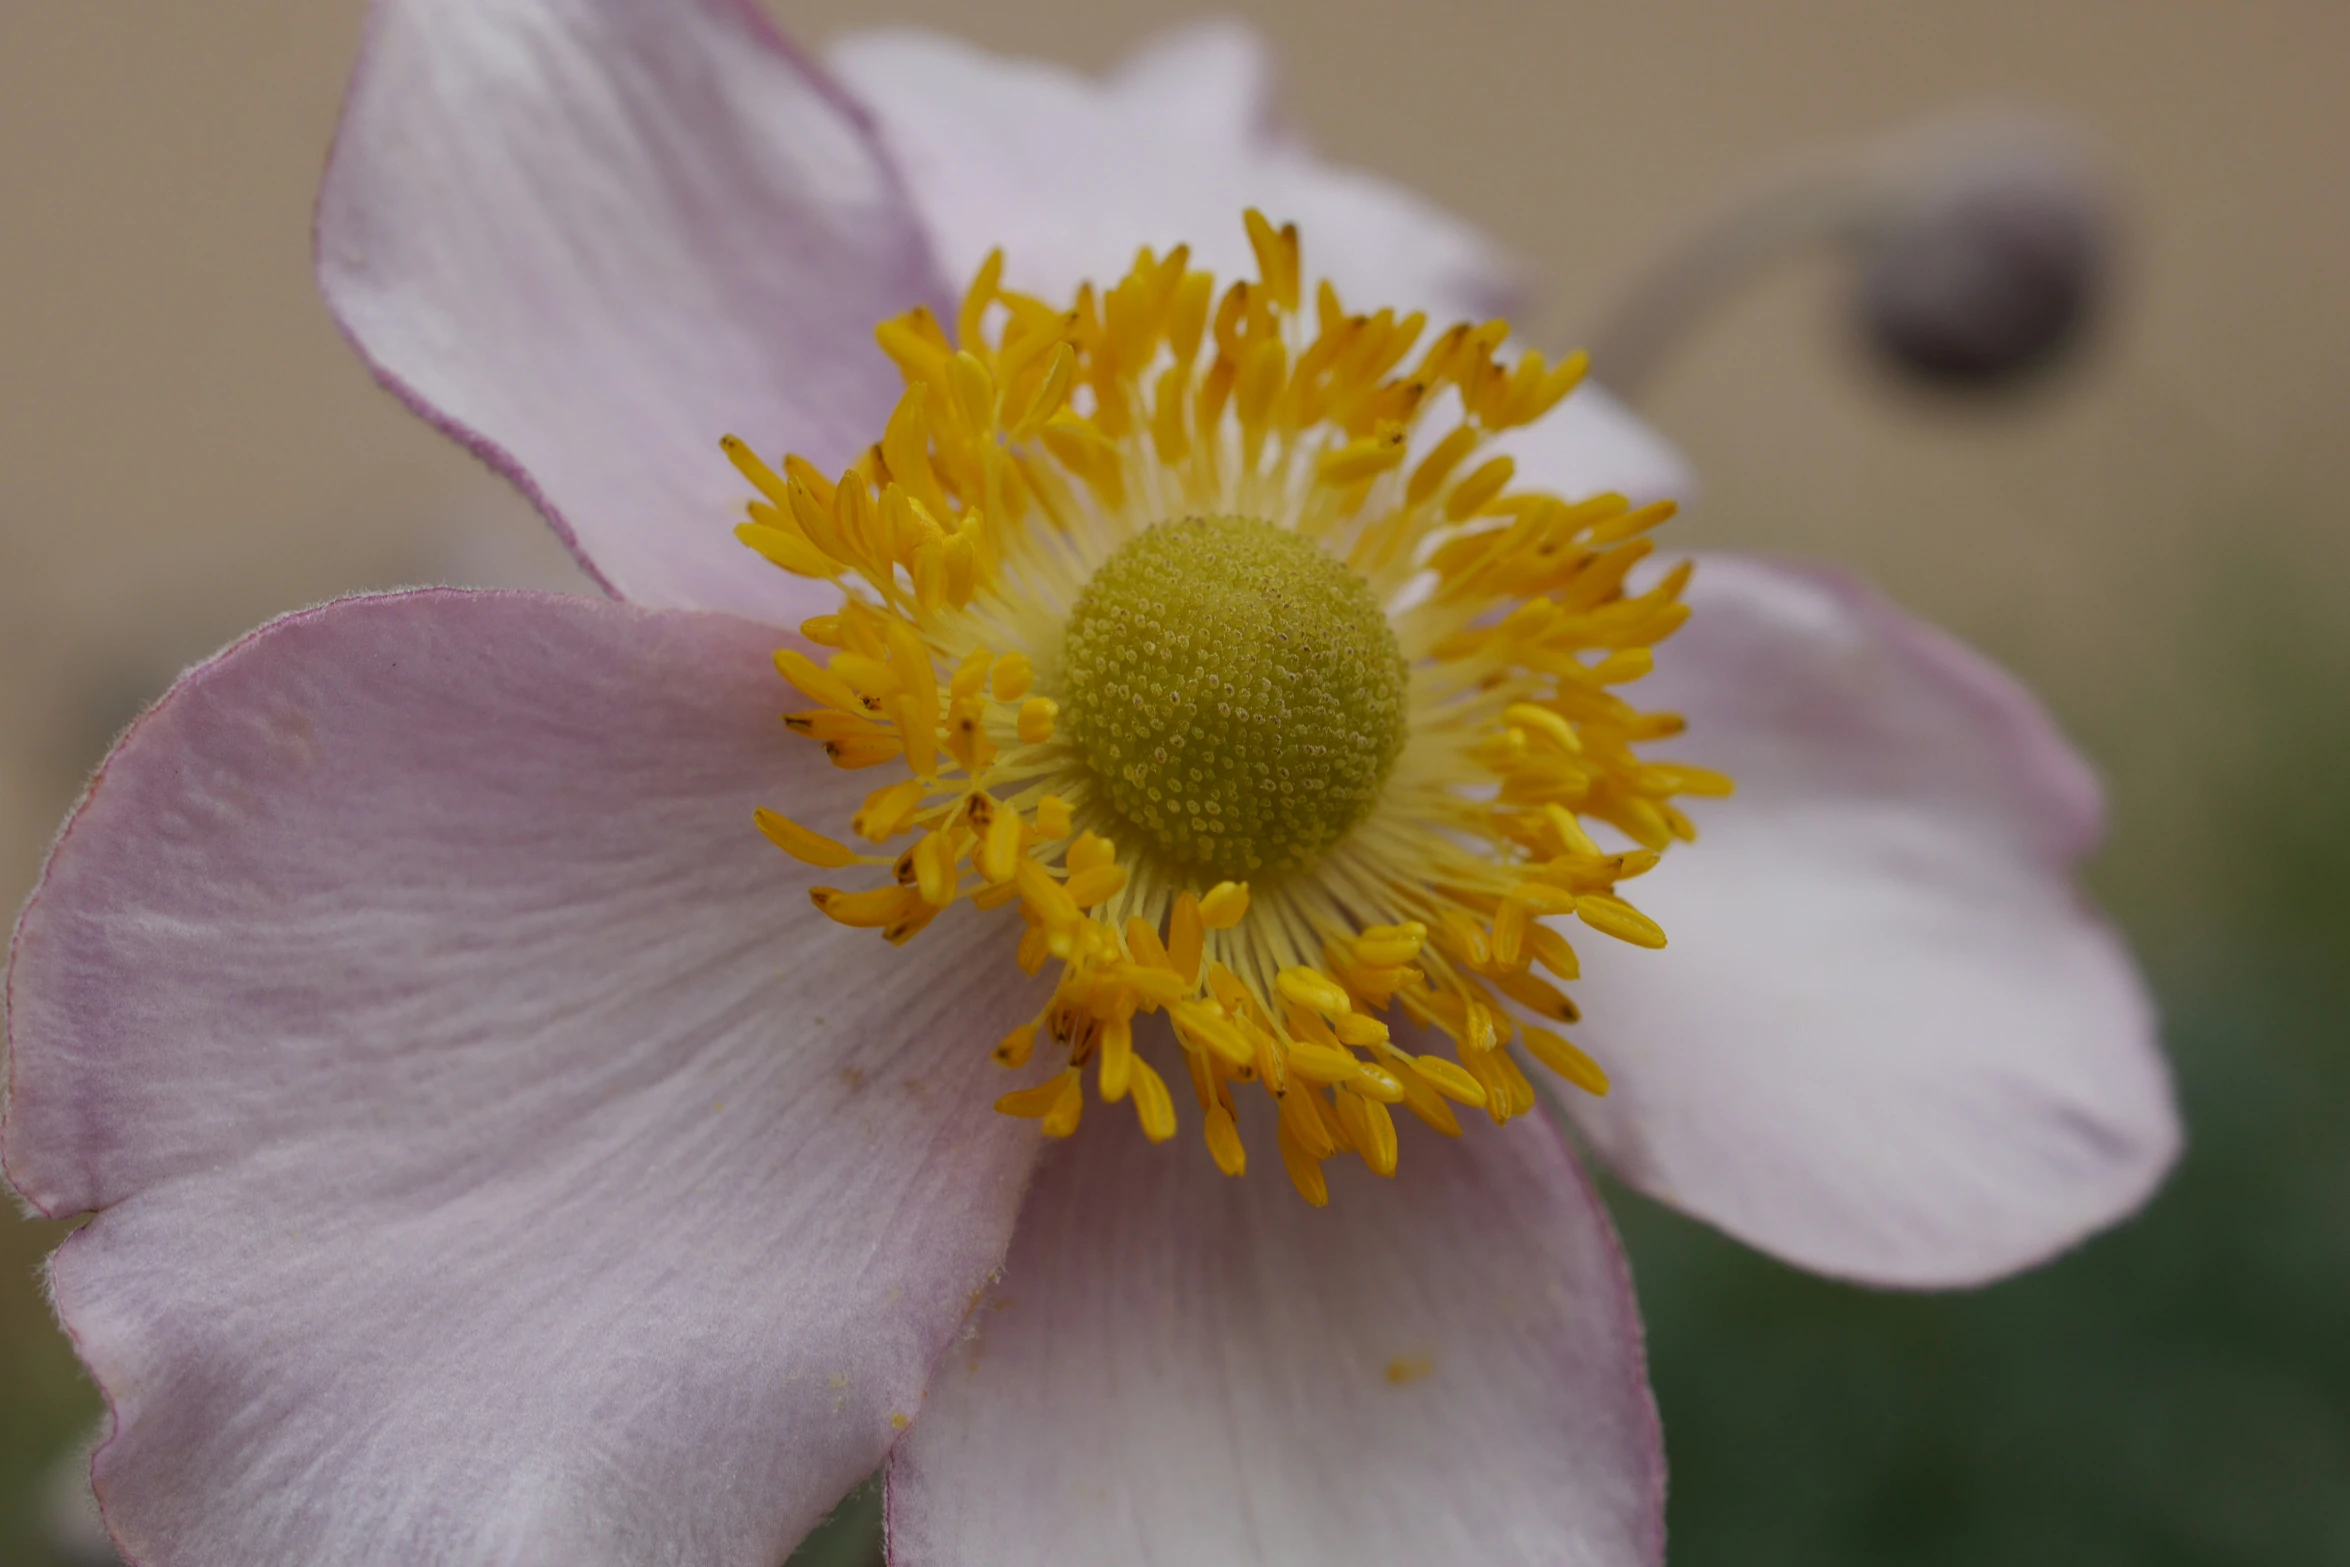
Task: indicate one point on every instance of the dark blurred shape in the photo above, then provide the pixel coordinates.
(1983, 247)
(1997, 267)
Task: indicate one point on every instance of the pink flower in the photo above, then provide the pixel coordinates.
(494, 1155)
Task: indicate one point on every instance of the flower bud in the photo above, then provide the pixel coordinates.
(1995, 267)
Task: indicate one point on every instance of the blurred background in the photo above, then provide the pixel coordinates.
(2153, 534)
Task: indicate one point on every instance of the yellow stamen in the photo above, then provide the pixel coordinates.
(1328, 753)
(801, 844)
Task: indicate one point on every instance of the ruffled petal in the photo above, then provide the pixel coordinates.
(1071, 176)
(496, 1157)
(1194, 1371)
(1890, 1040)
(589, 239)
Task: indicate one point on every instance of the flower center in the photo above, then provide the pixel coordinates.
(1236, 691)
(1209, 637)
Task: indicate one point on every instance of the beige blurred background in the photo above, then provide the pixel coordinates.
(187, 447)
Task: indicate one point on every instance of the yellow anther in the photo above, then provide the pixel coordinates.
(979, 296)
(1448, 1079)
(1052, 817)
(1463, 939)
(1552, 951)
(1303, 1114)
(1384, 946)
(1187, 316)
(871, 910)
(974, 391)
(1364, 459)
(1474, 493)
(1090, 849)
(1542, 721)
(970, 676)
(1037, 717)
(917, 336)
(887, 811)
(1277, 257)
(813, 513)
(1542, 898)
(870, 680)
(1204, 1024)
(905, 446)
(1061, 1119)
(1674, 778)
(1478, 1034)
(820, 683)
(1509, 933)
(1045, 403)
(1272, 1066)
(1314, 990)
(1567, 1061)
(1305, 1171)
(1186, 937)
(1536, 995)
(1117, 1068)
(1154, 987)
(1570, 831)
(917, 731)
(1375, 1082)
(1082, 446)
(789, 550)
(1226, 987)
(1098, 885)
(999, 850)
(1224, 1142)
(1225, 905)
(1031, 1103)
(802, 845)
(1437, 466)
(1321, 1063)
(1429, 1106)
(1614, 917)
(768, 482)
(1014, 1048)
(1144, 943)
(1260, 382)
(934, 869)
(1371, 1129)
(1012, 676)
(1521, 1089)
(1047, 897)
(1154, 1107)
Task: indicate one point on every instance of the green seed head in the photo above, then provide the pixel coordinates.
(1236, 692)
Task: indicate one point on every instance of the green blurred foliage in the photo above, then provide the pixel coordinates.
(45, 1404)
(2176, 1392)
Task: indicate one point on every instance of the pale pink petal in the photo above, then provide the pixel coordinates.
(1213, 80)
(1071, 176)
(590, 238)
(1890, 1040)
(497, 1159)
(1193, 1371)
